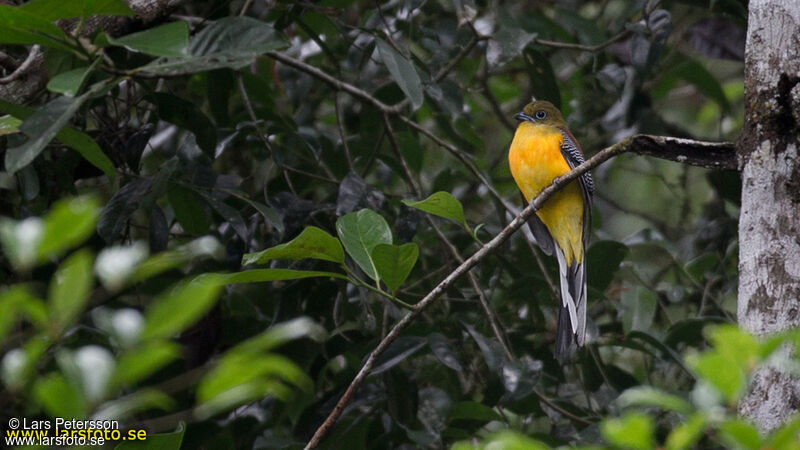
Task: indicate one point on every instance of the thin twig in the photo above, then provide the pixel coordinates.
(342, 133)
(469, 263)
(23, 68)
(584, 48)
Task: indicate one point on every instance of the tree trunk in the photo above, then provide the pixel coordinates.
(769, 225)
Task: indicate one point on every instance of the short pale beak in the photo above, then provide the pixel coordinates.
(522, 117)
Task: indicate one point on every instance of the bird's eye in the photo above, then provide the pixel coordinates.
(540, 114)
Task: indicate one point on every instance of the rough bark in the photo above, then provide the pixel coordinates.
(769, 225)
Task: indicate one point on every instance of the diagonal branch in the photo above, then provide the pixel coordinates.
(621, 147)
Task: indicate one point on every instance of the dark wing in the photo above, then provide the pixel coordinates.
(543, 238)
(574, 157)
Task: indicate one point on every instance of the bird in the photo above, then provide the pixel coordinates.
(542, 149)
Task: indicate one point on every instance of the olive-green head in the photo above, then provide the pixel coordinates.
(541, 112)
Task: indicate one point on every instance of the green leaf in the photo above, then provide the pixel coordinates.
(170, 39)
(41, 127)
(159, 441)
(696, 74)
(441, 204)
(507, 44)
(58, 397)
(649, 396)
(394, 262)
(72, 138)
(311, 243)
(69, 289)
(736, 344)
(542, 77)
(18, 26)
(70, 82)
(632, 431)
(701, 265)
(402, 71)
(207, 246)
(265, 275)
(604, 257)
(9, 125)
(182, 305)
(143, 361)
(738, 434)
(188, 209)
(186, 115)
(686, 434)
(52, 10)
(232, 42)
(721, 372)
(512, 440)
(473, 411)
(280, 334)
(360, 232)
(69, 222)
(638, 306)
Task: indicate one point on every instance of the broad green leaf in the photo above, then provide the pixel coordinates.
(170, 39)
(443, 351)
(21, 240)
(69, 222)
(52, 10)
(265, 275)
(41, 127)
(507, 44)
(72, 138)
(632, 431)
(231, 42)
(58, 397)
(11, 299)
(311, 243)
(237, 369)
(639, 307)
(188, 116)
(158, 441)
(737, 434)
(144, 360)
(403, 72)
(701, 265)
(18, 26)
(126, 407)
(188, 209)
(604, 257)
(473, 411)
(229, 213)
(441, 204)
(9, 125)
(69, 289)
(114, 218)
(70, 82)
(542, 77)
(510, 440)
(204, 247)
(686, 434)
(696, 74)
(280, 334)
(730, 382)
(180, 306)
(360, 232)
(649, 396)
(735, 344)
(394, 262)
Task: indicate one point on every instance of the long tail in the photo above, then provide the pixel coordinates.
(571, 331)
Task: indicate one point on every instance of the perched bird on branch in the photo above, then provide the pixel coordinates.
(543, 149)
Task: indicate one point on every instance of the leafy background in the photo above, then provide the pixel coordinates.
(205, 234)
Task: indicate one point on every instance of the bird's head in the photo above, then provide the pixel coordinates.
(541, 112)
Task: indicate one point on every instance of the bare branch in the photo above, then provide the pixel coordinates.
(23, 68)
(621, 147)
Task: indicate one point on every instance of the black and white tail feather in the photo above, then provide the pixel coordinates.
(571, 330)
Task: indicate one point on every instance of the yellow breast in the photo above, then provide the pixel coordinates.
(535, 160)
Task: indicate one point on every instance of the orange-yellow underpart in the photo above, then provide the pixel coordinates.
(535, 160)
